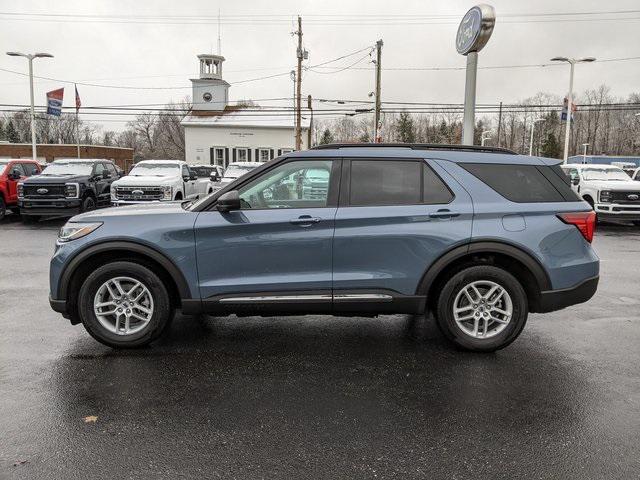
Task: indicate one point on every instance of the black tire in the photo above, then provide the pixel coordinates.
(178, 196)
(636, 223)
(454, 285)
(88, 204)
(162, 311)
(3, 208)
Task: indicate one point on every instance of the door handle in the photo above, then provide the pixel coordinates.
(443, 214)
(305, 220)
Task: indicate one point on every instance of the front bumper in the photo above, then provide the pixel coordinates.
(120, 203)
(66, 207)
(620, 211)
(552, 300)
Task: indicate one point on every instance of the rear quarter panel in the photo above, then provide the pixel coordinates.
(561, 249)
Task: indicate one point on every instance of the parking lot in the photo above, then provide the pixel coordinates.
(318, 397)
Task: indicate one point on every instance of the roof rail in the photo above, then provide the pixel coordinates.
(417, 146)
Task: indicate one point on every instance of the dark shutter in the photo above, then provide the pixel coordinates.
(271, 154)
(279, 151)
(226, 157)
(257, 154)
(248, 154)
(212, 158)
(234, 155)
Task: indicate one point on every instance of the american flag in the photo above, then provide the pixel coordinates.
(78, 102)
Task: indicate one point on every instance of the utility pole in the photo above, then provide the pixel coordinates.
(499, 124)
(300, 55)
(376, 129)
(310, 107)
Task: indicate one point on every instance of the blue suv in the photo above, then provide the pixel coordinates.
(480, 237)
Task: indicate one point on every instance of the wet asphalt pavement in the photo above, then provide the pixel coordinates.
(319, 397)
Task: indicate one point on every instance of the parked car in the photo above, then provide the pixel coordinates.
(628, 167)
(209, 175)
(478, 236)
(158, 180)
(608, 189)
(11, 173)
(67, 187)
(236, 170)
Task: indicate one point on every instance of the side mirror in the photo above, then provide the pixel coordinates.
(15, 175)
(193, 176)
(228, 202)
(575, 181)
(105, 175)
(214, 177)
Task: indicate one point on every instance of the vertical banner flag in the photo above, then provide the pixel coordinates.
(78, 102)
(54, 102)
(563, 116)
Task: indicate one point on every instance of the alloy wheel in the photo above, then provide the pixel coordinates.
(123, 305)
(482, 309)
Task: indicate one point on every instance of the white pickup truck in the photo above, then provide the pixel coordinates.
(608, 189)
(158, 180)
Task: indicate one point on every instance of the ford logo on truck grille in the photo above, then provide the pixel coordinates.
(137, 192)
(633, 196)
(42, 191)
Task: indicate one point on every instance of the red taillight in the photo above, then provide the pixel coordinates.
(584, 221)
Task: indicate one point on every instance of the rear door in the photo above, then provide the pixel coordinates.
(395, 218)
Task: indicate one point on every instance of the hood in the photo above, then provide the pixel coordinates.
(145, 180)
(53, 179)
(158, 208)
(616, 185)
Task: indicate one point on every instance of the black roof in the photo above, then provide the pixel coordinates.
(417, 146)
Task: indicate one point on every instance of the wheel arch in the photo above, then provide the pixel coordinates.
(520, 263)
(96, 255)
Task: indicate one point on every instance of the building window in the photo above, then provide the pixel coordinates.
(217, 156)
(264, 155)
(242, 154)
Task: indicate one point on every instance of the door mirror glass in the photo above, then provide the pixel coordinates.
(575, 180)
(105, 174)
(14, 175)
(229, 201)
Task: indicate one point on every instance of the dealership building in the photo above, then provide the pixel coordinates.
(218, 133)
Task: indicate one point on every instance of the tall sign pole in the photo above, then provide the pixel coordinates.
(474, 32)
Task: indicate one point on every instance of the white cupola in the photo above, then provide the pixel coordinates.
(210, 91)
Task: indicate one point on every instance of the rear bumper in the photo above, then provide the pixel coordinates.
(62, 207)
(552, 300)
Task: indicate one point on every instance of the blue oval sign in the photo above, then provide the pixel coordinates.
(475, 29)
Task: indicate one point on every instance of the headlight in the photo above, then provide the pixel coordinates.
(167, 192)
(74, 231)
(605, 196)
(20, 190)
(71, 190)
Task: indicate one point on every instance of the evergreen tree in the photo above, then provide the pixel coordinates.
(550, 147)
(326, 137)
(405, 129)
(364, 138)
(2, 130)
(11, 133)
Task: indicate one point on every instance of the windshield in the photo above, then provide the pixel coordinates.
(604, 174)
(236, 171)
(155, 169)
(68, 168)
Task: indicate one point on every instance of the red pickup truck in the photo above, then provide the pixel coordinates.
(13, 171)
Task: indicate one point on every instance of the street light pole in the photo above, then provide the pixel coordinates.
(30, 58)
(533, 126)
(584, 153)
(571, 62)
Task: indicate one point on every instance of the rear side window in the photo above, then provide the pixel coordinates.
(395, 182)
(523, 183)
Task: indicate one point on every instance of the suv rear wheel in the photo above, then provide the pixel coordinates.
(124, 305)
(482, 308)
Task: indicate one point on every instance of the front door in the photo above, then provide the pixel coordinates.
(395, 218)
(13, 184)
(279, 244)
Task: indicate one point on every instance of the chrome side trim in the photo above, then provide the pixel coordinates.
(278, 299)
(348, 297)
(362, 297)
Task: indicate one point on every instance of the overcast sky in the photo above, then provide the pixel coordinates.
(112, 51)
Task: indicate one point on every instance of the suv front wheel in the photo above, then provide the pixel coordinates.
(482, 308)
(124, 305)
